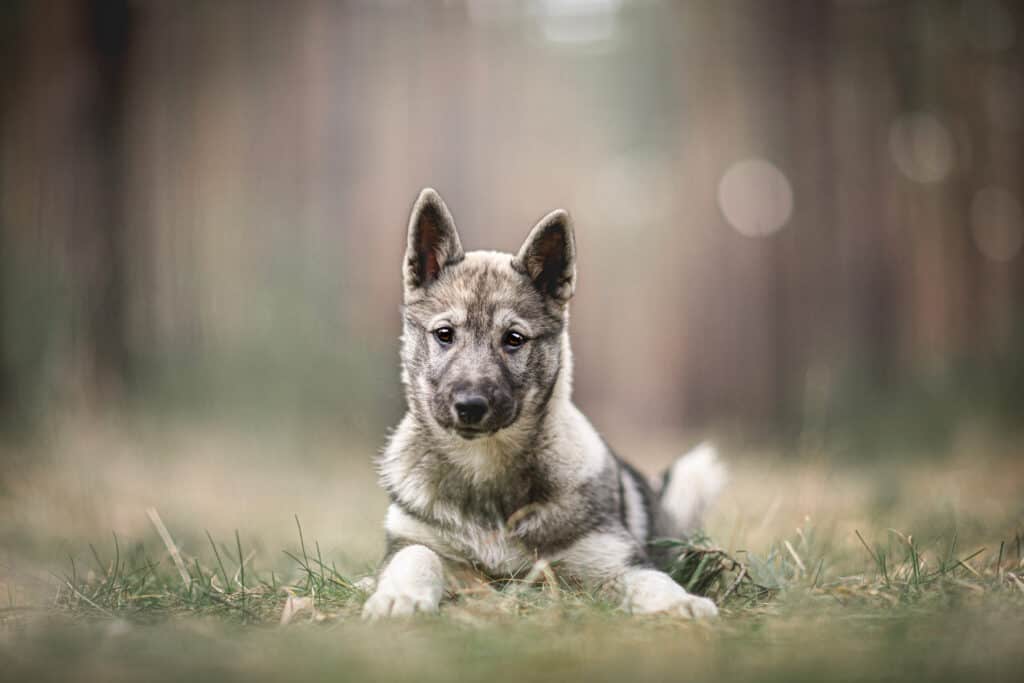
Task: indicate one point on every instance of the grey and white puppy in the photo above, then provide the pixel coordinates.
(493, 467)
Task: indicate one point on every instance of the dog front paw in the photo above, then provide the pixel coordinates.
(386, 602)
(653, 592)
(412, 582)
(695, 607)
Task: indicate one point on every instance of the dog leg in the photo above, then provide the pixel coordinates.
(648, 591)
(616, 560)
(413, 581)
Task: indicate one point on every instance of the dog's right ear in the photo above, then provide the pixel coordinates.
(433, 241)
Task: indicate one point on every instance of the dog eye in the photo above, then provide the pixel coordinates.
(445, 335)
(513, 340)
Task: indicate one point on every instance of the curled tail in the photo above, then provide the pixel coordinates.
(688, 489)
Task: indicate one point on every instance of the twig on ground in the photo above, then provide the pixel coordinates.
(735, 584)
(796, 558)
(165, 536)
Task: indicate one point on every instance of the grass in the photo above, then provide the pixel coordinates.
(900, 573)
(901, 617)
(821, 572)
(142, 585)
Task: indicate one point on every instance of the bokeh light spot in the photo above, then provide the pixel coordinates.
(755, 197)
(997, 224)
(921, 147)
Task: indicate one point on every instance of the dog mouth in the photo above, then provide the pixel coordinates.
(470, 433)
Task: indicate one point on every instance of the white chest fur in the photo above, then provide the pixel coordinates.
(491, 550)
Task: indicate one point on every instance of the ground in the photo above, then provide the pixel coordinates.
(826, 566)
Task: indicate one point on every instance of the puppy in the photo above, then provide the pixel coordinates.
(493, 467)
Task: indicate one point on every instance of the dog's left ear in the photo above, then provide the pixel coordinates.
(548, 257)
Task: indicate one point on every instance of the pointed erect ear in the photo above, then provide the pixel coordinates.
(433, 241)
(548, 257)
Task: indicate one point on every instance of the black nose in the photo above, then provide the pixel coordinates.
(471, 409)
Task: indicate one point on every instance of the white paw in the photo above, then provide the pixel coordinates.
(412, 582)
(393, 603)
(652, 592)
(696, 607)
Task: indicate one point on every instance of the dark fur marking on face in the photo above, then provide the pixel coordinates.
(475, 292)
(505, 371)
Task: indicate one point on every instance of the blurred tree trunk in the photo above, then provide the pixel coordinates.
(64, 287)
(110, 26)
(9, 48)
(806, 253)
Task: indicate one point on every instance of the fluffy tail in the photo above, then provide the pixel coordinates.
(688, 489)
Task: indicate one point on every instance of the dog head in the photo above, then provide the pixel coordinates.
(484, 343)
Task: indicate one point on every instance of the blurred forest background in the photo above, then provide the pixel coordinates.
(793, 218)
